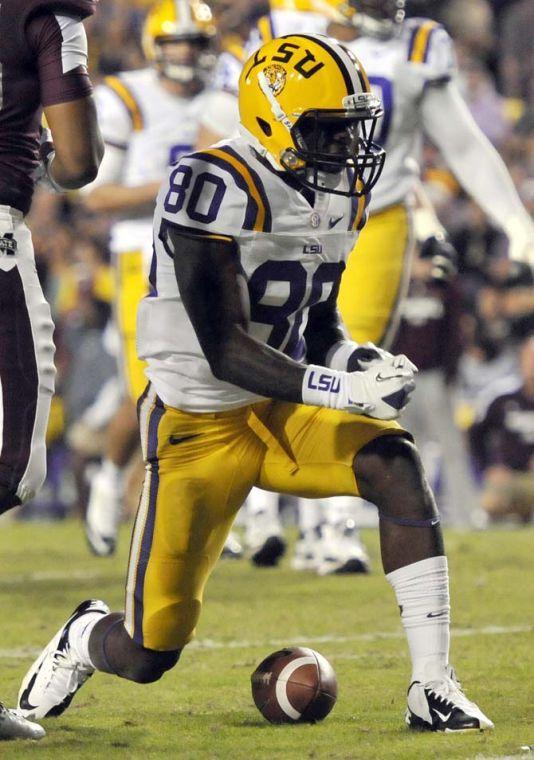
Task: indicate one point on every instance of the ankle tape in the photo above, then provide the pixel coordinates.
(407, 523)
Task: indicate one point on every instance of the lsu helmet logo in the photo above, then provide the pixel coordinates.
(276, 78)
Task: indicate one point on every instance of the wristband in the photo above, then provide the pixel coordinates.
(323, 387)
(339, 355)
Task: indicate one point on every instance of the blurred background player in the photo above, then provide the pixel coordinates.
(502, 441)
(149, 119)
(411, 64)
(43, 58)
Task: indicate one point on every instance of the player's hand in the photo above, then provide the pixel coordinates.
(41, 175)
(443, 257)
(367, 355)
(382, 391)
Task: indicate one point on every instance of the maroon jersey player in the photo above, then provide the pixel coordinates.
(43, 57)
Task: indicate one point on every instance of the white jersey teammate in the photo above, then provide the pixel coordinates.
(149, 119)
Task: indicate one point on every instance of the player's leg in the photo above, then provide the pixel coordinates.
(200, 469)
(107, 487)
(341, 454)
(377, 277)
(26, 367)
(264, 533)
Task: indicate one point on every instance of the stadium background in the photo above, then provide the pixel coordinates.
(491, 302)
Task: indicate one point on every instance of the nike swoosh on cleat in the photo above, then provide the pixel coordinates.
(23, 701)
(332, 222)
(175, 440)
(444, 718)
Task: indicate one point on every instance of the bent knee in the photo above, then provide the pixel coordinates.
(385, 462)
(149, 666)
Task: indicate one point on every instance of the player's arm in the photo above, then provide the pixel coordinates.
(77, 142)
(477, 165)
(114, 198)
(208, 275)
(59, 44)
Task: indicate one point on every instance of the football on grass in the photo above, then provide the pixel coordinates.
(294, 685)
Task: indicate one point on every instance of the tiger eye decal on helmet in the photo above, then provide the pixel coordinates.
(306, 104)
(276, 78)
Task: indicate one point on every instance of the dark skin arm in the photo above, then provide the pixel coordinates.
(325, 328)
(207, 273)
(77, 141)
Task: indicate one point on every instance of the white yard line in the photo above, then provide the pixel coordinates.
(211, 644)
(49, 575)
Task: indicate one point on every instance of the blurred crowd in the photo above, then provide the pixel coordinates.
(482, 321)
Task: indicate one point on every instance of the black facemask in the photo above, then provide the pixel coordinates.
(335, 144)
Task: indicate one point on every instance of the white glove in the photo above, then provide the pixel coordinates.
(381, 391)
(520, 232)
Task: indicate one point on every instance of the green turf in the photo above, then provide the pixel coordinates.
(203, 709)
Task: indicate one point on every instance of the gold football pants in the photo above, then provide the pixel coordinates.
(377, 276)
(199, 470)
(132, 287)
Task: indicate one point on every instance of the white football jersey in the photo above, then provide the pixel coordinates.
(291, 255)
(400, 69)
(153, 128)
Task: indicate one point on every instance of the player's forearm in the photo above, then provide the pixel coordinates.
(116, 198)
(78, 147)
(257, 368)
(474, 161)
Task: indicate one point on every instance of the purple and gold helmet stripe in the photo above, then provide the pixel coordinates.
(355, 78)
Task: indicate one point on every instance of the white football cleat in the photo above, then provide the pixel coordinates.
(104, 513)
(342, 550)
(54, 678)
(442, 706)
(13, 726)
(264, 539)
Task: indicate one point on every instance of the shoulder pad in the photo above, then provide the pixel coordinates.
(126, 95)
(430, 46)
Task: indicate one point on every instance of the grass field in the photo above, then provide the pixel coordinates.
(203, 709)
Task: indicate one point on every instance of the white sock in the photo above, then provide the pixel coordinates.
(79, 634)
(422, 591)
(263, 501)
(310, 515)
(113, 474)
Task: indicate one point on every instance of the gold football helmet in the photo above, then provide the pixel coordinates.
(176, 21)
(306, 105)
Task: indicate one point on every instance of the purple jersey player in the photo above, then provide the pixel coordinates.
(43, 57)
